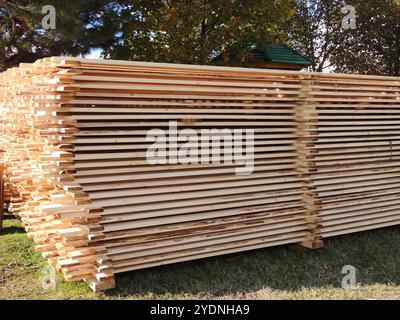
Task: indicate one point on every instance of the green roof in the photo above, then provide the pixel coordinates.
(279, 53)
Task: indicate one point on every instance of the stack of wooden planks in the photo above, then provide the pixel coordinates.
(75, 135)
(354, 122)
(41, 191)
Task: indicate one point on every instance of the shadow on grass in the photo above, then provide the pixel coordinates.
(9, 217)
(11, 225)
(11, 230)
(375, 254)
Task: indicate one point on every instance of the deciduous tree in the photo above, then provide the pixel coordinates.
(196, 31)
(372, 47)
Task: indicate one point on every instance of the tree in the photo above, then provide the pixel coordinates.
(373, 47)
(195, 31)
(79, 27)
(315, 30)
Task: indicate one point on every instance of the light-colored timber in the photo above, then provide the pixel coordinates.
(74, 136)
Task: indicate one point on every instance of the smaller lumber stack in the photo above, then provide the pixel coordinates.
(355, 151)
(75, 139)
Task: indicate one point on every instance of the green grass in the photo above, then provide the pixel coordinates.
(272, 273)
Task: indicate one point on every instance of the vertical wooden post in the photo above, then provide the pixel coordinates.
(305, 118)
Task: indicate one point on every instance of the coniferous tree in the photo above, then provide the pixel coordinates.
(80, 26)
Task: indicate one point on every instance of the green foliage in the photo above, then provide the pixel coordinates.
(80, 26)
(195, 31)
(374, 46)
(315, 30)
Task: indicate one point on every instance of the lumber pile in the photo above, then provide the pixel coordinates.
(354, 124)
(75, 139)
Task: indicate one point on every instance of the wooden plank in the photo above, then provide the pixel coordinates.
(74, 133)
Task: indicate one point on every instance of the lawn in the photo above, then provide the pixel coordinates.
(272, 273)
